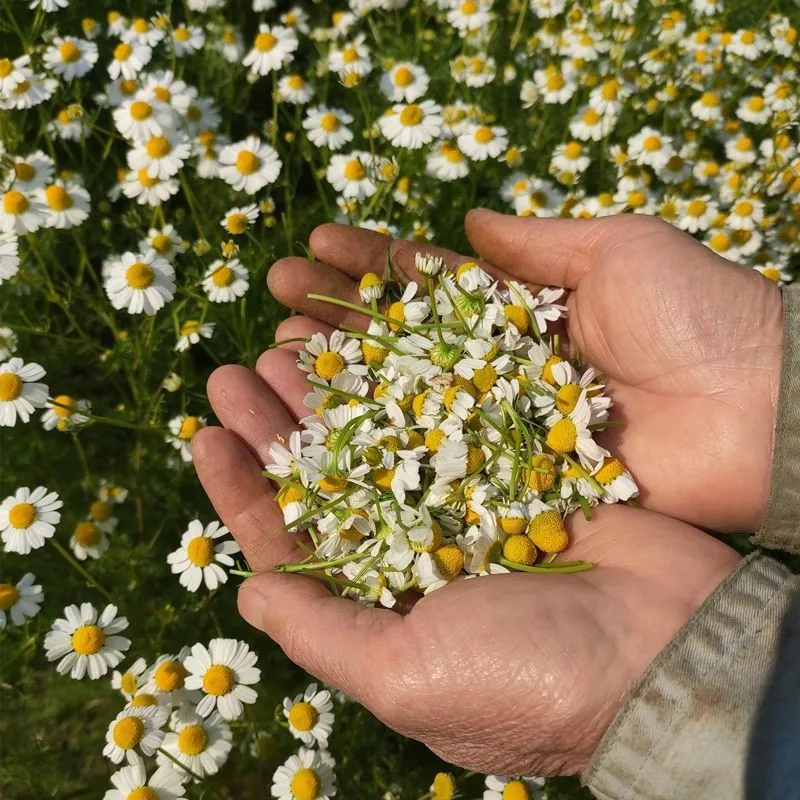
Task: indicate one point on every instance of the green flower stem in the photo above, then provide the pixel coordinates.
(73, 562)
(341, 392)
(360, 309)
(562, 568)
(317, 565)
(180, 764)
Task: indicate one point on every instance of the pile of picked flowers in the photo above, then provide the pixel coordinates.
(453, 438)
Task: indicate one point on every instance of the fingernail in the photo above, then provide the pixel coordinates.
(251, 605)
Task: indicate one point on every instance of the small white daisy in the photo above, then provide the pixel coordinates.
(404, 82)
(191, 332)
(198, 558)
(183, 429)
(187, 39)
(310, 716)
(480, 142)
(238, 220)
(200, 744)
(8, 343)
(130, 682)
(88, 540)
(327, 359)
(20, 390)
(501, 788)
(21, 212)
(70, 57)
(225, 281)
(129, 60)
(413, 125)
(249, 165)
(140, 283)
(272, 48)
(66, 204)
(142, 118)
(21, 601)
(166, 241)
(161, 156)
(295, 89)
(131, 783)
(9, 256)
(351, 175)
(308, 775)
(135, 728)
(327, 127)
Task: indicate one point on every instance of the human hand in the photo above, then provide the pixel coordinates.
(691, 343)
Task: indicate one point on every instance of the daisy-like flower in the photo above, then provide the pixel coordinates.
(413, 125)
(27, 518)
(48, 6)
(327, 127)
(149, 191)
(308, 775)
(469, 15)
(13, 73)
(272, 48)
(351, 175)
(327, 359)
(746, 214)
(129, 60)
(238, 220)
(160, 156)
(20, 601)
(224, 671)
(20, 390)
(21, 212)
(570, 434)
(34, 171)
(404, 82)
(200, 744)
(31, 92)
(697, 214)
(191, 332)
(774, 272)
(68, 125)
(141, 31)
(556, 84)
(592, 125)
(88, 541)
(310, 716)
(198, 558)
(351, 60)
(131, 783)
(618, 485)
(67, 204)
(187, 39)
(183, 429)
(70, 57)
(225, 281)
(480, 142)
(501, 788)
(136, 728)
(166, 241)
(447, 162)
(85, 642)
(295, 89)
(9, 257)
(8, 343)
(130, 682)
(140, 283)
(141, 118)
(249, 165)
(651, 147)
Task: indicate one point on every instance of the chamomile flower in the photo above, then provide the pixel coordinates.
(21, 212)
(351, 60)
(141, 31)
(556, 84)
(141, 118)
(129, 60)
(166, 783)
(187, 39)
(327, 127)
(225, 281)
(310, 716)
(446, 162)
(166, 241)
(20, 390)
(618, 485)
(13, 73)
(34, 171)
(501, 788)
(8, 342)
(20, 601)
(70, 57)
(351, 175)
(191, 332)
(249, 165)
(480, 142)
(201, 744)
(697, 214)
(746, 213)
(135, 730)
(183, 429)
(88, 541)
(328, 358)
(160, 156)
(650, 147)
(225, 672)
(774, 272)
(308, 775)
(412, 125)
(238, 220)
(404, 82)
(198, 558)
(295, 89)
(130, 682)
(67, 204)
(85, 642)
(272, 48)
(140, 283)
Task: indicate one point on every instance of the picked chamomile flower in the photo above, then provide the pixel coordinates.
(182, 430)
(130, 682)
(88, 540)
(617, 483)
(135, 730)
(310, 716)
(64, 413)
(249, 165)
(87, 642)
(238, 220)
(502, 788)
(327, 358)
(131, 783)
(427, 264)
(225, 672)
(199, 557)
(412, 125)
(191, 332)
(443, 787)
(308, 775)
(20, 601)
(28, 518)
(226, 281)
(774, 272)
(201, 744)
(140, 283)
(371, 287)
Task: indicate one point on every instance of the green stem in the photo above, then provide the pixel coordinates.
(564, 568)
(73, 562)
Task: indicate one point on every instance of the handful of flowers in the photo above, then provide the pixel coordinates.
(450, 439)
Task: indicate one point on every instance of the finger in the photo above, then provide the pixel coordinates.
(278, 369)
(403, 253)
(341, 642)
(299, 328)
(243, 498)
(351, 250)
(291, 280)
(244, 405)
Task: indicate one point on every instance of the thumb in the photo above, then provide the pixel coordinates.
(341, 642)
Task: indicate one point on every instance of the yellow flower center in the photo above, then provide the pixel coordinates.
(411, 115)
(143, 793)
(144, 700)
(305, 784)
(563, 436)
(189, 327)
(145, 179)
(328, 365)
(161, 243)
(22, 87)
(720, 241)
(69, 52)
(696, 208)
(15, 203)
(99, 510)
(58, 198)
(372, 353)
(349, 55)
(612, 468)
(169, 676)
(158, 147)
(200, 551)
(218, 680)
(122, 52)
(140, 275)
(223, 277)
(744, 144)
(128, 683)
(140, 110)
(567, 397)
(382, 478)
(24, 171)
(87, 534)
(128, 732)
(128, 87)
(8, 596)
(88, 639)
(591, 117)
(265, 42)
(652, 143)
(192, 740)
(573, 150)
(484, 378)
(555, 82)
(247, 162)
(518, 316)
(449, 561)
(140, 25)
(236, 223)
(516, 790)
(354, 170)
(303, 716)
(332, 483)
(329, 122)
(6, 67)
(637, 199)
(548, 533)
(403, 76)
(748, 37)
(484, 135)
(295, 82)
(10, 389)
(513, 525)
(743, 209)
(543, 474)
(520, 549)
(475, 459)
(21, 515)
(469, 8)
(452, 153)
(783, 91)
(444, 787)
(290, 494)
(183, 34)
(547, 369)
(771, 273)
(710, 99)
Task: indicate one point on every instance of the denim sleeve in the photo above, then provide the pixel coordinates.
(717, 714)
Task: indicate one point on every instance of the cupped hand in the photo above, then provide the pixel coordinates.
(511, 674)
(690, 342)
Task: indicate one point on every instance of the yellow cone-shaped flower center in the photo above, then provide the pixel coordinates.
(513, 525)
(354, 170)
(58, 198)
(743, 208)
(591, 117)
(444, 786)
(265, 42)
(161, 243)
(128, 683)
(303, 716)
(192, 740)
(484, 134)
(516, 790)
(573, 150)
(22, 515)
(329, 122)
(6, 67)
(8, 596)
(169, 676)
(290, 494)
(88, 639)
(162, 93)
(547, 532)
(612, 468)
(100, 511)
(518, 316)
(122, 52)
(771, 273)
(189, 327)
(652, 143)
(200, 551)
(145, 179)
(696, 208)
(24, 171)
(563, 436)
(236, 223)
(555, 82)
(452, 153)
(567, 397)
(349, 55)
(143, 793)
(328, 365)
(128, 87)
(305, 784)
(332, 483)
(247, 162)
(158, 147)
(434, 439)
(449, 560)
(15, 203)
(383, 477)
(295, 82)
(403, 76)
(189, 428)
(144, 700)
(223, 276)
(218, 680)
(543, 474)
(183, 34)
(10, 386)
(69, 52)
(411, 115)
(520, 549)
(140, 25)
(63, 404)
(128, 732)
(140, 275)
(87, 534)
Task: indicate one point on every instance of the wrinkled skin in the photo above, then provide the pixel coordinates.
(521, 674)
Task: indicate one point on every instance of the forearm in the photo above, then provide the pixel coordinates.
(781, 528)
(716, 715)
